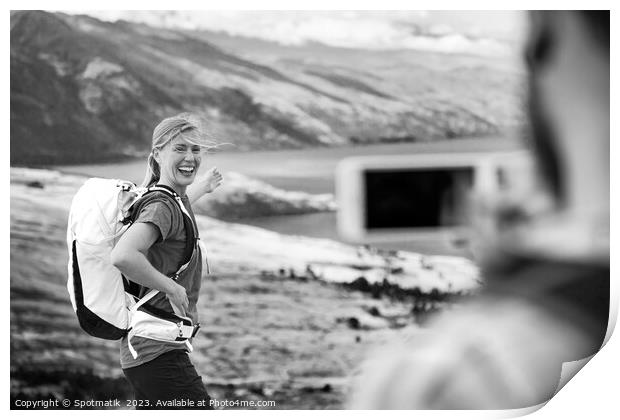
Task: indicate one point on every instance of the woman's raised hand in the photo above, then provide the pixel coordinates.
(212, 180)
(204, 185)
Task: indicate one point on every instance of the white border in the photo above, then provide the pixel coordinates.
(592, 394)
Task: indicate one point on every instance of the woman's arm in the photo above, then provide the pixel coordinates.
(129, 256)
(208, 183)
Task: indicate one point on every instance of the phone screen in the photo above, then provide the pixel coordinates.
(416, 198)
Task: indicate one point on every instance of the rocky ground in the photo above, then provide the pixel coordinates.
(267, 334)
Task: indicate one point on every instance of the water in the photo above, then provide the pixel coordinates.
(312, 171)
(309, 170)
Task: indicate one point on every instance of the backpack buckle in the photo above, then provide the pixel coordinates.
(196, 328)
(125, 186)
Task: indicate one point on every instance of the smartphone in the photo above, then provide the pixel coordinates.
(390, 198)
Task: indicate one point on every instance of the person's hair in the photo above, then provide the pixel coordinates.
(186, 125)
(540, 48)
(597, 23)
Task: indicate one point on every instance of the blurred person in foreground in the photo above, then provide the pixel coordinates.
(546, 301)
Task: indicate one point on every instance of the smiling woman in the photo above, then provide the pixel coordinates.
(162, 238)
(178, 163)
(178, 142)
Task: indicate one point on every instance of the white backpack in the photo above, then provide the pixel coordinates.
(101, 211)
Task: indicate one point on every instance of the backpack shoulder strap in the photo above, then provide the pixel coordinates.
(190, 227)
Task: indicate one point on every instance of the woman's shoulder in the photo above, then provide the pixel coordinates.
(157, 201)
(159, 209)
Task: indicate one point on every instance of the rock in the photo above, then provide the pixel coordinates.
(258, 390)
(360, 284)
(35, 184)
(353, 323)
(242, 197)
(374, 311)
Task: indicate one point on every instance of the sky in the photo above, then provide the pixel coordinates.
(477, 32)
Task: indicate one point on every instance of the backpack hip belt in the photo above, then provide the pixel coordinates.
(143, 324)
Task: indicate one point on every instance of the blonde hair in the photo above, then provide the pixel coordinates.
(187, 125)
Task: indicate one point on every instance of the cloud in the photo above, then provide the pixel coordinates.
(378, 30)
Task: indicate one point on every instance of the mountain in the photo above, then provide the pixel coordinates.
(84, 90)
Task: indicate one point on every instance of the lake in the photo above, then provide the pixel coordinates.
(312, 171)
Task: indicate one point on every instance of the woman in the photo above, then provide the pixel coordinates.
(151, 251)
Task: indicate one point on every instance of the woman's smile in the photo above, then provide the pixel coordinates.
(179, 161)
(187, 170)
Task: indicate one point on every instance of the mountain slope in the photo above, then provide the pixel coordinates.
(83, 90)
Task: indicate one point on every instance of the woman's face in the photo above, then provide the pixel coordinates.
(179, 161)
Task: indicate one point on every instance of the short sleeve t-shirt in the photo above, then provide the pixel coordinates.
(166, 255)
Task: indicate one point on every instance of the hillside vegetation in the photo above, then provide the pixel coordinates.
(83, 90)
